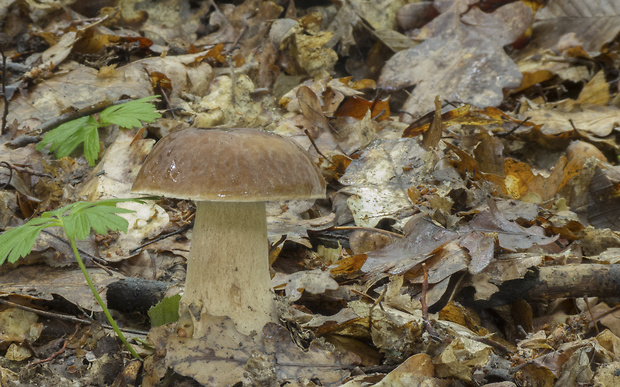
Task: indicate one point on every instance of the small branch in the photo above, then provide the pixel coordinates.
(372, 308)
(585, 299)
(10, 168)
(427, 323)
(99, 262)
(553, 282)
(511, 131)
(135, 250)
(44, 313)
(5, 113)
(87, 111)
(316, 147)
(60, 351)
(370, 229)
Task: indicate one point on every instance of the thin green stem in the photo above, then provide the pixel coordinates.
(91, 285)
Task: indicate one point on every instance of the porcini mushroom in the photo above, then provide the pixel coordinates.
(230, 174)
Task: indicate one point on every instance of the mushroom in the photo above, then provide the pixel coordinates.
(229, 173)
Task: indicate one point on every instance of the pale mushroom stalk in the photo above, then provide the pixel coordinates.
(239, 285)
(229, 173)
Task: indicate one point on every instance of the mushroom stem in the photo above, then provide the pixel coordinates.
(228, 267)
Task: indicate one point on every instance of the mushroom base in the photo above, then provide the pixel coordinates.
(228, 268)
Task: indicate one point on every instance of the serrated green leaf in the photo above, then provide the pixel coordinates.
(91, 145)
(68, 136)
(166, 311)
(130, 114)
(101, 216)
(17, 242)
(77, 225)
(77, 219)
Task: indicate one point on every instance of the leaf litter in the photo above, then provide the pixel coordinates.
(470, 152)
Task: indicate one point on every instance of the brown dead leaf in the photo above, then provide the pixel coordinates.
(416, 15)
(604, 204)
(521, 181)
(460, 357)
(81, 86)
(595, 92)
(378, 180)
(489, 153)
(472, 68)
(357, 107)
(592, 24)
(416, 370)
(431, 137)
(365, 240)
(31, 281)
(460, 115)
(226, 357)
(311, 109)
(380, 14)
(463, 316)
(481, 248)
(422, 237)
(348, 266)
(555, 119)
(353, 134)
(467, 165)
(312, 281)
(510, 235)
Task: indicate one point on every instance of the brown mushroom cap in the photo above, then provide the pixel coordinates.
(242, 165)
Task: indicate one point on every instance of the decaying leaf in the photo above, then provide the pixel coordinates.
(380, 177)
(228, 357)
(441, 57)
(313, 281)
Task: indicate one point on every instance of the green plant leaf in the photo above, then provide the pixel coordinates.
(17, 242)
(77, 219)
(166, 311)
(68, 136)
(101, 216)
(130, 114)
(85, 130)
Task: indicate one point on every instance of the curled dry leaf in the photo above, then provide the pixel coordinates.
(312, 281)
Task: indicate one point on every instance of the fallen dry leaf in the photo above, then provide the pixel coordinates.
(441, 56)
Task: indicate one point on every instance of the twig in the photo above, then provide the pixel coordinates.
(511, 131)
(607, 312)
(217, 9)
(236, 42)
(165, 97)
(126, 330)
(5, 113)
(96, 260)
(427, 323)
(87, 111)
(10, 168)
(372, 308)
(372, 229)
(363, 295)
(39, 312)
(19, 169)
(585, 299)
(316, 147)
(159, 238)
(60, 351)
